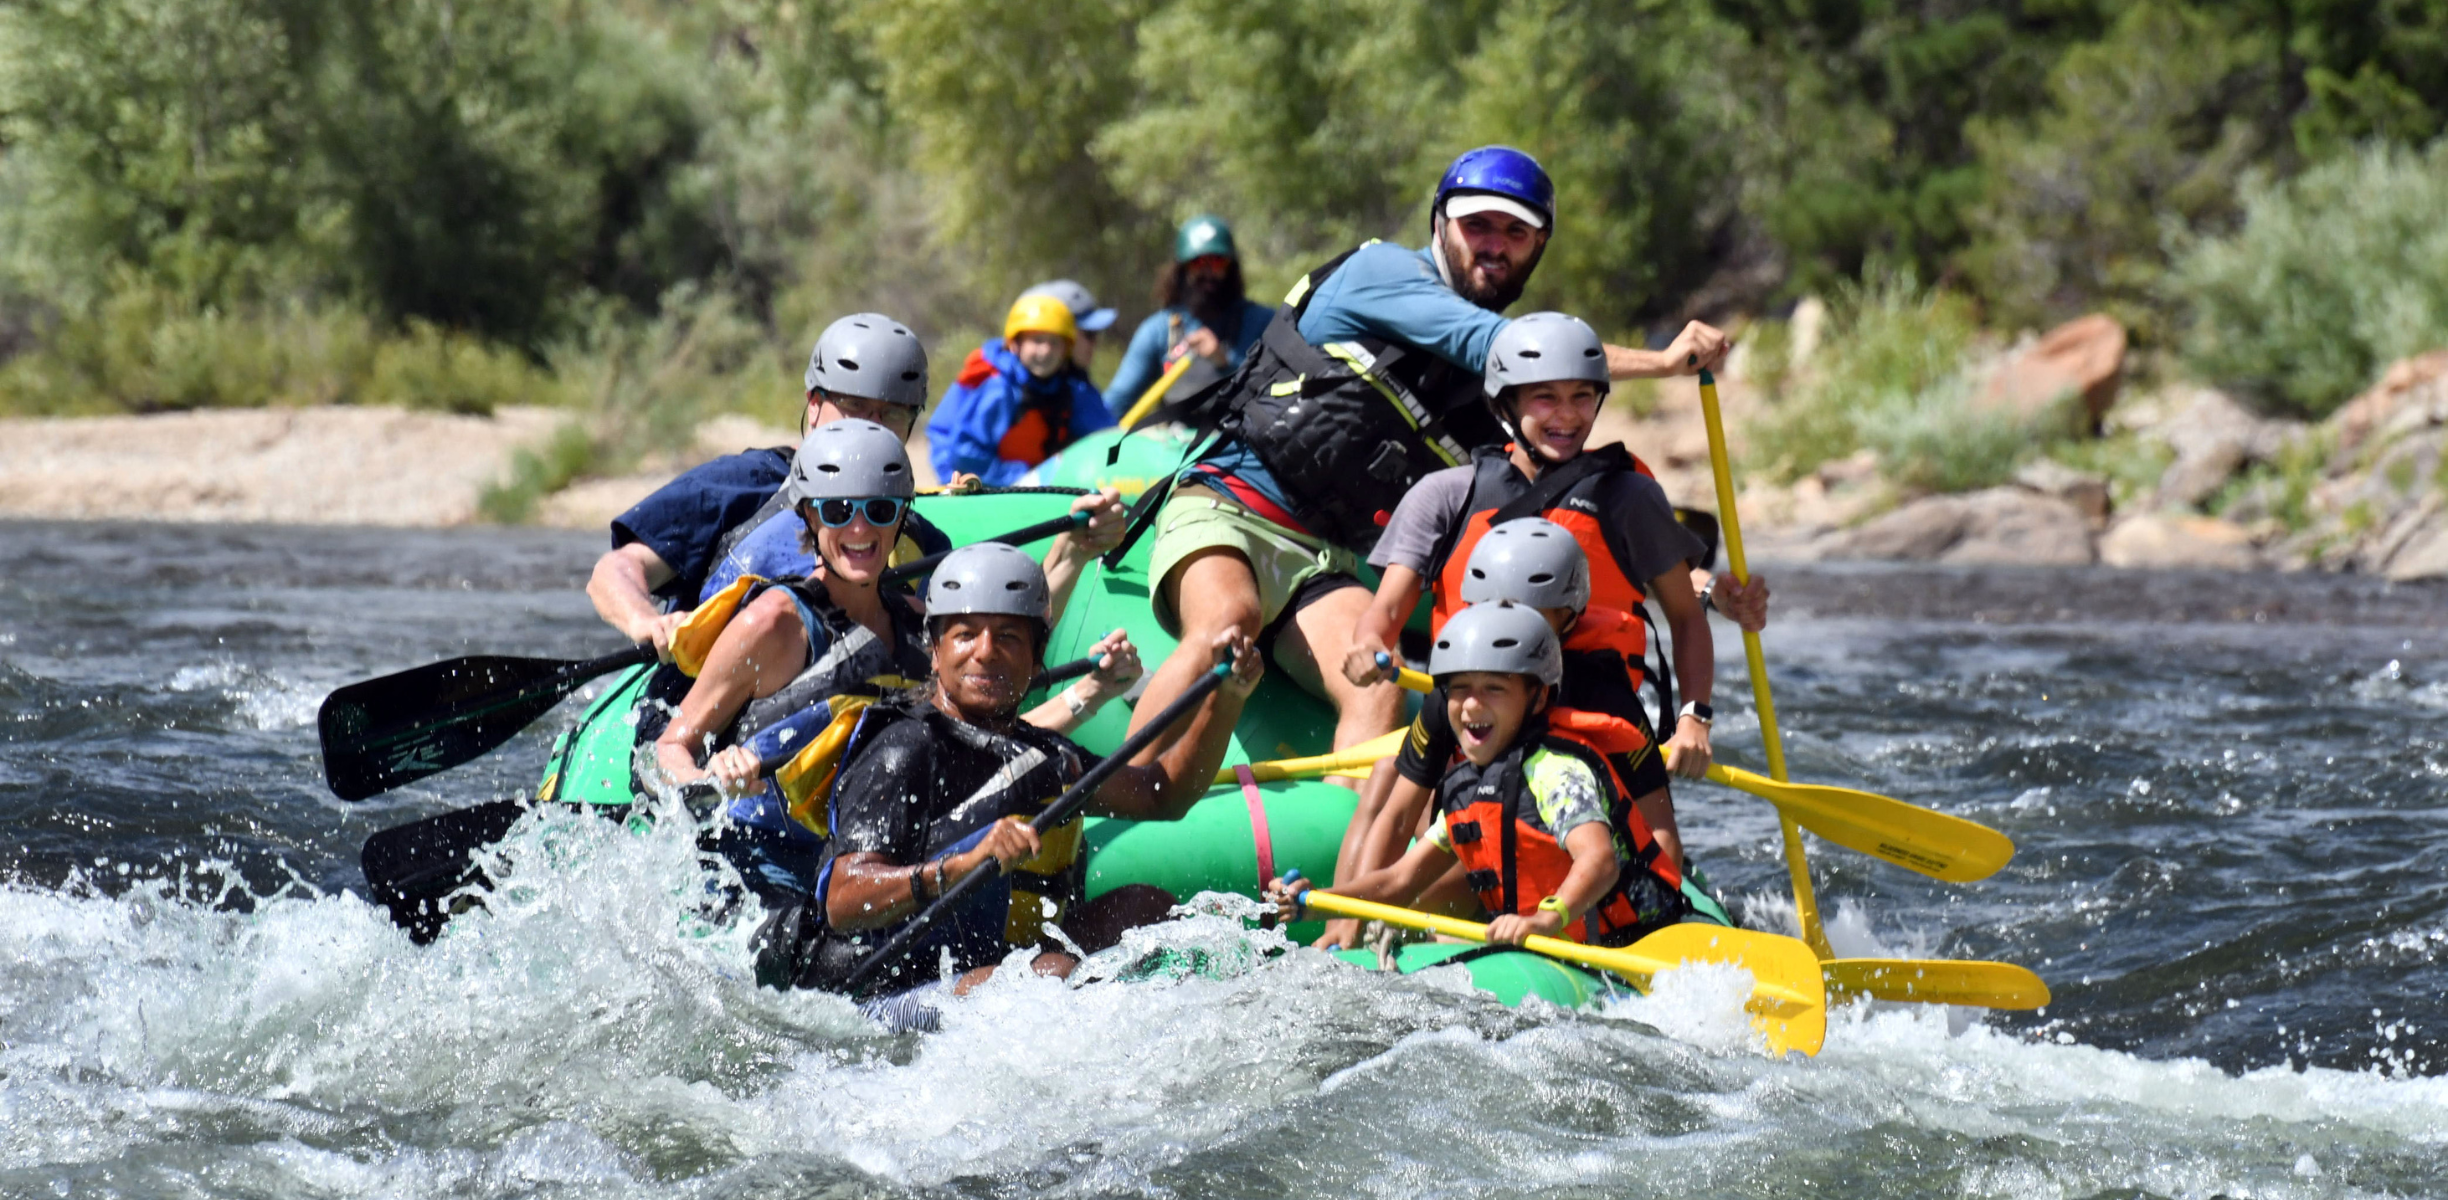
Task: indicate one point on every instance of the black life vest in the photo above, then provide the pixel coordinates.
(1348, 427)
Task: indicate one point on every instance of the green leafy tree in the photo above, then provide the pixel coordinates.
(2135, 142)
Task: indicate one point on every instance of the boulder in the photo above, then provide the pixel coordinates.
(2088, 493)
(2213, 437)
(2000, 526)
(2084, 357)
(1919, 531)
(2412, 391)
(2179, 540)
(2422, 556)
(2012, 527)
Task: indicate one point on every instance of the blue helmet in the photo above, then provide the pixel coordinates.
(1500, 171)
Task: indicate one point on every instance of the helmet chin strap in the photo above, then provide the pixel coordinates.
(1436, 237)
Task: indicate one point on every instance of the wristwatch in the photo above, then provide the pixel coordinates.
(1698, 710)
(1556, 905)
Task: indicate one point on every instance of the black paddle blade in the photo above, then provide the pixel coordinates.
(385, 732)
(413, 869)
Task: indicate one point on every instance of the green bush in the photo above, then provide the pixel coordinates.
(2135, 140)
(2334, 274)
(1890, 374)
(146, 349)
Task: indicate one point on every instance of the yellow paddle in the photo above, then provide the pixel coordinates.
(1936, 981)
(1146, 403)
(1806, 904)
(1788, 1002)
(1355, 761)
(1908, 835)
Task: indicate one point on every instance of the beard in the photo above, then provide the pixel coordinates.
(1213, 301)
(1492, 297)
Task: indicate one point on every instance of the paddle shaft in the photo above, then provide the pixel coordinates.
(1147, 401)
(1054, 815)
(567, 677)
(1018, 537)
(1729, 523)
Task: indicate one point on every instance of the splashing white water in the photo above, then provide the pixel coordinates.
(592, 1034)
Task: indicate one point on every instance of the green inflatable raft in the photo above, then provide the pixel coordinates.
(1218, 846)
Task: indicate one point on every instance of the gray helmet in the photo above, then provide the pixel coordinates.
(1544, 347)
(988, 577)
(870, 356)
(1531, 561)
(1498, 637)
(850, 460)
(1085, 312)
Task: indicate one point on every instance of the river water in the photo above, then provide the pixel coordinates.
(2232, 870)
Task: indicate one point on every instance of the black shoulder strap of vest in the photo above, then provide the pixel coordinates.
(1442, 553)
(1508, 838)
(1553, 482)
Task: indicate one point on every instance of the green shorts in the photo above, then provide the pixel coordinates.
(1196, 519)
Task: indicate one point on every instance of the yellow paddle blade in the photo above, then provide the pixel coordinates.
(1908, 835)
(1354, 761)
(1788, 1002)
(1412, 681)
(1971, 982)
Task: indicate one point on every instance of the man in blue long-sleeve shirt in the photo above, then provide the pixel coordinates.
(1369, 379)
(1202, 308)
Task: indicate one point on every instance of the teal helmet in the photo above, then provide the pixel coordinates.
(1203, 235)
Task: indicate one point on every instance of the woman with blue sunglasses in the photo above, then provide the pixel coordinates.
(786, 645)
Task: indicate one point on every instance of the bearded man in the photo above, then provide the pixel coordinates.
(1366, 380)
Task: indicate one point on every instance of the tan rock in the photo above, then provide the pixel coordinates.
(1919, 531)
(2012, 527)
(2084, 357)
(2088, 493)
(2213, 437)
(2415, 388)
(1999, 526)
(2178, 540)
(2422, 556)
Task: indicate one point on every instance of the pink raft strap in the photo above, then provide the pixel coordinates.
(1259, 836)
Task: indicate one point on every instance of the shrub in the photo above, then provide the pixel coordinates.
(2334, 274)
(145, 348)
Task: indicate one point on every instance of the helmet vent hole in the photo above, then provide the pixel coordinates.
(846, 364)
(1505, 643)
(829, 468)
(950, 585)
(1543, 577)
(1527, 353)
(1014, 585)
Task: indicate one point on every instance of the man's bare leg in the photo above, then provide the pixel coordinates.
(1212, 590)
(1322, 634)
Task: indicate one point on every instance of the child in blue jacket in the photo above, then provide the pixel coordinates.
(1018, 400)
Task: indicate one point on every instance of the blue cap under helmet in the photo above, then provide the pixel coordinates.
(1501, 171)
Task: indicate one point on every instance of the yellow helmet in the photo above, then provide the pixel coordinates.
(1040, 314)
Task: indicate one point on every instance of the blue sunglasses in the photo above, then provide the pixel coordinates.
(879, 510)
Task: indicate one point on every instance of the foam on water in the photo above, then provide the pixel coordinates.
(593, 1034)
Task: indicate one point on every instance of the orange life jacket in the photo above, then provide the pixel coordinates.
(1513, 864)
(1497, 483)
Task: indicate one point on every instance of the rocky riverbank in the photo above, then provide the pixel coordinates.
(2217, 486)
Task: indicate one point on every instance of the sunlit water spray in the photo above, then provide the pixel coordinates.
(2230, 855)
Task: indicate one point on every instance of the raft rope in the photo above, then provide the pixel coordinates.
(1259, 836)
